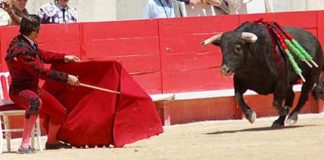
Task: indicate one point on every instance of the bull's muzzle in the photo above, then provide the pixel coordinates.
(226, 71)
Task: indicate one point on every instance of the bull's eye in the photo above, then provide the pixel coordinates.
(237, 49)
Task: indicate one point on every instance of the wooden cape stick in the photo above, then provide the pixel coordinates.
(99, 88)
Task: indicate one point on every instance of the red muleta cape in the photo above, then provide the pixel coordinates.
(97, 118)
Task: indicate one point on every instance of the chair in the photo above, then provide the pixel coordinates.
(8, 108)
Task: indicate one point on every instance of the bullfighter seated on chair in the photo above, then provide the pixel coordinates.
(26, 66)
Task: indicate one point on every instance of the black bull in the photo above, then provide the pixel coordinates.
(248, 54)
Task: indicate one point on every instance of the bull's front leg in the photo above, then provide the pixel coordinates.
(278, 97)
(249, 114)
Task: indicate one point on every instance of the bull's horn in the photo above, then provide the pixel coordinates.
(249, 37)
(212, 39)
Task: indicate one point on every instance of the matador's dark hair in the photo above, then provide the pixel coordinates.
(29, 24)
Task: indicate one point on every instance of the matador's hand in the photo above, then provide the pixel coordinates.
(73, 80)
(71, 59)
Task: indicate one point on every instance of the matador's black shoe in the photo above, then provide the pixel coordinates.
(58, 145)
(28, 150)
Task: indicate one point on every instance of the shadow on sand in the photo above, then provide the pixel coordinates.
(257, 129)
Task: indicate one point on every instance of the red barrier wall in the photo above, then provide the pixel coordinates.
(185, 62)
(165, 55)
(134, 43)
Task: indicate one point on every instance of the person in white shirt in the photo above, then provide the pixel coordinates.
(159, 9)
(57, 12)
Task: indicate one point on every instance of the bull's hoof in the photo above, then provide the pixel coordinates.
(251, 116)
(292, 119)
(278, 124)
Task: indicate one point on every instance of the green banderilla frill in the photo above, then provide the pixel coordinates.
(298, 52)
(304, 52)
(295, 65)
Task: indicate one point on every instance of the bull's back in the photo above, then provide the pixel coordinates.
(269, 76)
(307, 40)
(310, 43)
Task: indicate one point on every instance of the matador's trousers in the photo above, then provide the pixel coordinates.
(42, 103)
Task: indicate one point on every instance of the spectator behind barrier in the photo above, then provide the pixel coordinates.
(162, 9)
(206, 8)
(195, 2)
(221, 7)
(57, 12)
(16, 9)
(159, 8)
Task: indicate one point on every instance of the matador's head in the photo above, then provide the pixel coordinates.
(29, 24)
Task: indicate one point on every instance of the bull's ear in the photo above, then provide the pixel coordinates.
(215, 40)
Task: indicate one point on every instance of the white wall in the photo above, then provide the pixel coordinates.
(297, 5)
(315, 5)
(130, 9)
(256, 6)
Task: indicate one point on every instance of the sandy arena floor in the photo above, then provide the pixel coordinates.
(210, 140)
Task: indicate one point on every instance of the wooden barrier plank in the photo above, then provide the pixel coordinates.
(60, 47)
(320, 21)
(195, 80)
(185, 111)
(137, 64)
(148, 77)
(262, 105)
(185, 62)
(320, 106)
(50, 34)
(116, 47)
(135, 44)
(186, 34)
(150, 82)
(63, 38)
(201, 110)
(7, 34)
(121, 38)
(197, 25)
(192, 61)
(129, 42)
(120, 29)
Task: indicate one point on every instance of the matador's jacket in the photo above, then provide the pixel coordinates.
(26, 66)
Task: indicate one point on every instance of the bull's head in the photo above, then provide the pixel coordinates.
(235, 49)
